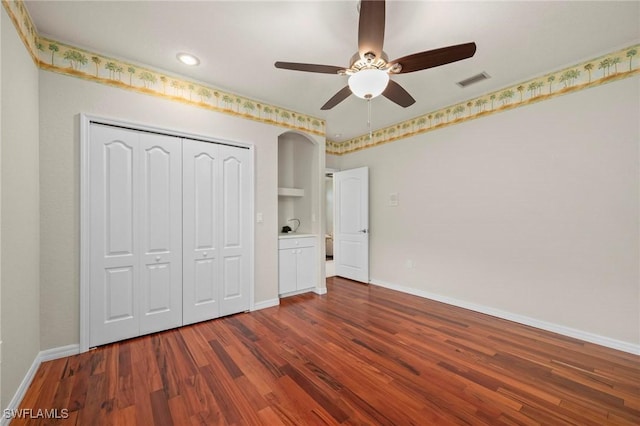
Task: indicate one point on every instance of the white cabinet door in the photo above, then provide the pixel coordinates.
(287, 270)
(306, 268)
(201, 210)
(160, 202)
(297, 260)
(235, 218)
(136, 233)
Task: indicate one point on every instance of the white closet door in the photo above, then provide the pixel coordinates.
(114, 235)
(201, 210)
(136, 233)
(160, 168)
(235, 242)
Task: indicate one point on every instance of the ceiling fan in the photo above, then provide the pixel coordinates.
(370, 67)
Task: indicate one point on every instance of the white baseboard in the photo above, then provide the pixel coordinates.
(521, 319)
(61, 352)
(320, 290)
(43, 356)
(330, 268)
(265, 304)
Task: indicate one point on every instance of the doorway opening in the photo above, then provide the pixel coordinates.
(328, 238)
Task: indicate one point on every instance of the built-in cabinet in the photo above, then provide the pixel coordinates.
(169, 231)
(298, 259)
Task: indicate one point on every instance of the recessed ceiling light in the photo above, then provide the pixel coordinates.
(188, 59)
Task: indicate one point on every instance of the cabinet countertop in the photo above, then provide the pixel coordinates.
(294, 235)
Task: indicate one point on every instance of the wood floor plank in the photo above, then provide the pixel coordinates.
(356, 355)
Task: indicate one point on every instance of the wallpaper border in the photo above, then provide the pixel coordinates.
(55, 56)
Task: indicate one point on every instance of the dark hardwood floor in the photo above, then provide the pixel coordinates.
(357, 355)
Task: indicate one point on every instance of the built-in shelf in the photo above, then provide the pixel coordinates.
(291, 192)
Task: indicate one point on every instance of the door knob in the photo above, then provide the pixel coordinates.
(364, 231)
(157, 258)
(204, 254)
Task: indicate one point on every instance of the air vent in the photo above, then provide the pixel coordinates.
(472, 80)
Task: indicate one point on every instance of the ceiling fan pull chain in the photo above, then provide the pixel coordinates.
(369, 119)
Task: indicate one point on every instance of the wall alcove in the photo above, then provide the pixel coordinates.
(298, 183)
(301, 198)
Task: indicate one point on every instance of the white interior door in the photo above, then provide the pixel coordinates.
(201, 210)
(114, 239)
(351, 224)
(216, 234)
(235, 217)
(160, 170)
(136, 233)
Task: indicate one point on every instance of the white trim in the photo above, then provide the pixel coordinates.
(43, 356)
(59, 352)
(521, 319)
(320, 290)
(265, 304)
(252, 226)
(85, 253)
(297, 292)
(85, 247)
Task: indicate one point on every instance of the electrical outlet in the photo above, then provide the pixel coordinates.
(259, 218)
(409, 264)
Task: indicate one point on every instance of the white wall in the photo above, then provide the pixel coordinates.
(62, 98)
(20, 252)
(534, 211)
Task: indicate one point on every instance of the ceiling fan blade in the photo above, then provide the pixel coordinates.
(396, 93)
(435, 58)
(337, 98)
(324, 69)
(371, 27)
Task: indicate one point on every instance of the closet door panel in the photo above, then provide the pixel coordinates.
(114, 258)
(160, 169)
(118, 294)
(201, 204)
(235, 215)
(206, 272)
(118, 179)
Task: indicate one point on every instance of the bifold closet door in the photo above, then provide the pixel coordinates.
(201, 216)
(136, 235)
(216, 241)
(235, 238)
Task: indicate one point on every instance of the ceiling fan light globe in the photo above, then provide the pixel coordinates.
(368, 83)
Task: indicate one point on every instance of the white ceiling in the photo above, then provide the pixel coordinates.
(238, 42)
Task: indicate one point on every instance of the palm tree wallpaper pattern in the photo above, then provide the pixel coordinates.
(61, 58)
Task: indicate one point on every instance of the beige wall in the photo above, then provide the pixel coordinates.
(332, 161)
(1, 403)
(62, 98)
(533, 211)
(20, 252)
